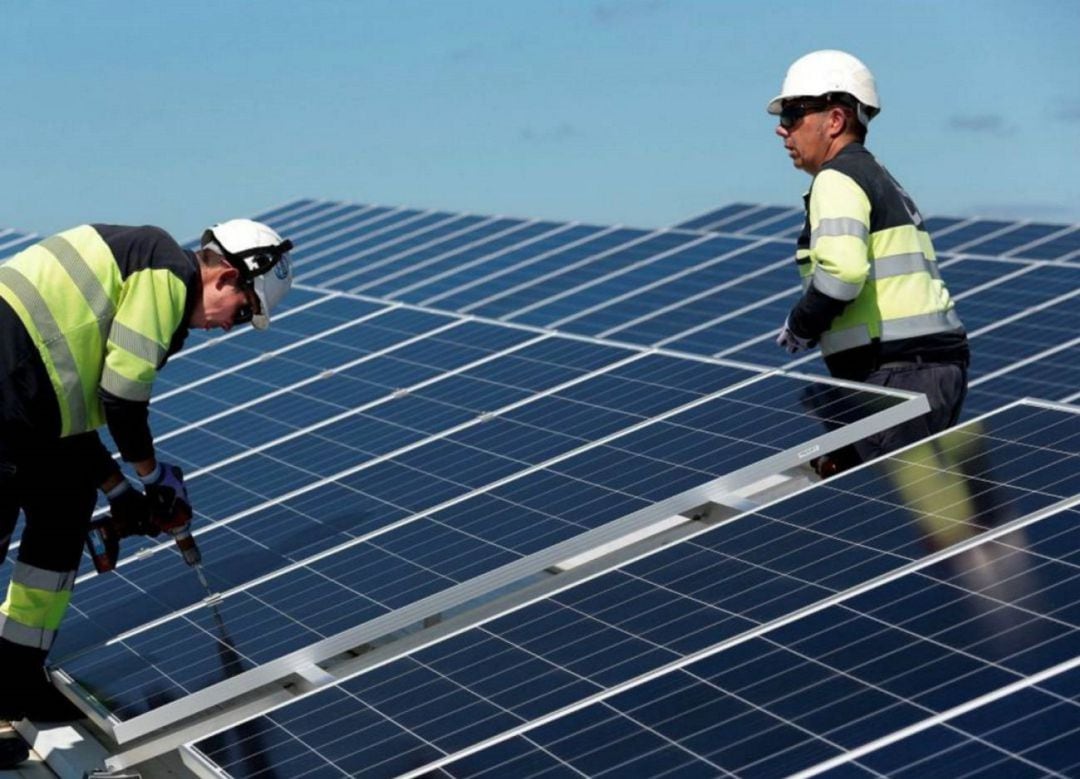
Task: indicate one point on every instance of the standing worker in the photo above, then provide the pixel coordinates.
(87, 318)
(873, 298)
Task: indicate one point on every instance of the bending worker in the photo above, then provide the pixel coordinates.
(87, 318)
(873, 298)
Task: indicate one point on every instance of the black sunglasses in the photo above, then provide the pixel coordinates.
(246, 312)
(791, 113)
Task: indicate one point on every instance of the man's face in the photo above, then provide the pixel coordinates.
(806, 135)
(224, 302)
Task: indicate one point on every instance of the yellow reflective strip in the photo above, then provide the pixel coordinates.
(54, 348)
(35, 608)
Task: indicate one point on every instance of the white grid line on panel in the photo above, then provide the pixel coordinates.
(408, 249)
(547, 235)
(988, 236)
(1010, 528)
(1026, 361)
(521, 264)
(608, 276)
(610, 302)
(558, 271)
(693, 217)
(439, 257)
(1019, 250)
(717, 226)
(546, 464)
(942, 718)
(753, 228)
(322, 245)
(757, 632)
(309, 260)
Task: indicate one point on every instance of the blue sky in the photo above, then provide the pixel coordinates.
(640, 112)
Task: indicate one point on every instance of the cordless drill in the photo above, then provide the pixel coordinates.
(103, 539)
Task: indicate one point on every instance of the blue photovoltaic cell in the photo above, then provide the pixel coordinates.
(418, 276)
(429, 554)
(1030, 733)
(669, 294)
(968, 233)
(875, 651)
(450, 289)
(904, 652)
(563, 279)
(368, 276)
(741, 223)
(535, 265)
(1056, 248)
(712, 217)
(407, 229)
(323, 250)
(936, 224)
(1055, 377)
(591, 294)
(666, 325)
(964, 274)
(784, 225)
(1014, 239)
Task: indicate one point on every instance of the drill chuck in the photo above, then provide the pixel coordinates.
(185, 542)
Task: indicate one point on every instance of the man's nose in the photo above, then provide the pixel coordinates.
(781, 130)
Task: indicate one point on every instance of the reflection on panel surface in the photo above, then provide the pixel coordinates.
(788, 697)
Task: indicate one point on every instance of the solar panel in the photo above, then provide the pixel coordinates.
(449, 404)
(765, 645)
(564, 491)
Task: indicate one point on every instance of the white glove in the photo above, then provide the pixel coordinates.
(791, 343)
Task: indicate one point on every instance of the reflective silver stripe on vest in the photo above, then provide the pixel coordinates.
(88, 284)
(921, 324)
(806, 282)
(136, 343)
(59, 351)
(123, 387)
(833, 287)
(24, 635)
(892, 330)
(42, 579)
(843, 225)
(903, 264)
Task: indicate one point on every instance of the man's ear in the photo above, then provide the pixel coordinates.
(228, 276)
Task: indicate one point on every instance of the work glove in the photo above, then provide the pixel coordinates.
(170, 507)
(792, 343)
(130, 511)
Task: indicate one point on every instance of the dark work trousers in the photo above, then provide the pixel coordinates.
(945, 387)
(47, 478)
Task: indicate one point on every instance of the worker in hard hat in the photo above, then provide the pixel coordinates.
(873, 298)
(87, 319)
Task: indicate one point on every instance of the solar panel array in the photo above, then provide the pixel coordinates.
(451, 404)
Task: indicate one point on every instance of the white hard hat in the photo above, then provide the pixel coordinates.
(262, 258)
(820, 73)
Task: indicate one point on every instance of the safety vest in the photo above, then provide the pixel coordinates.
(98, 322)
(864, 243)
